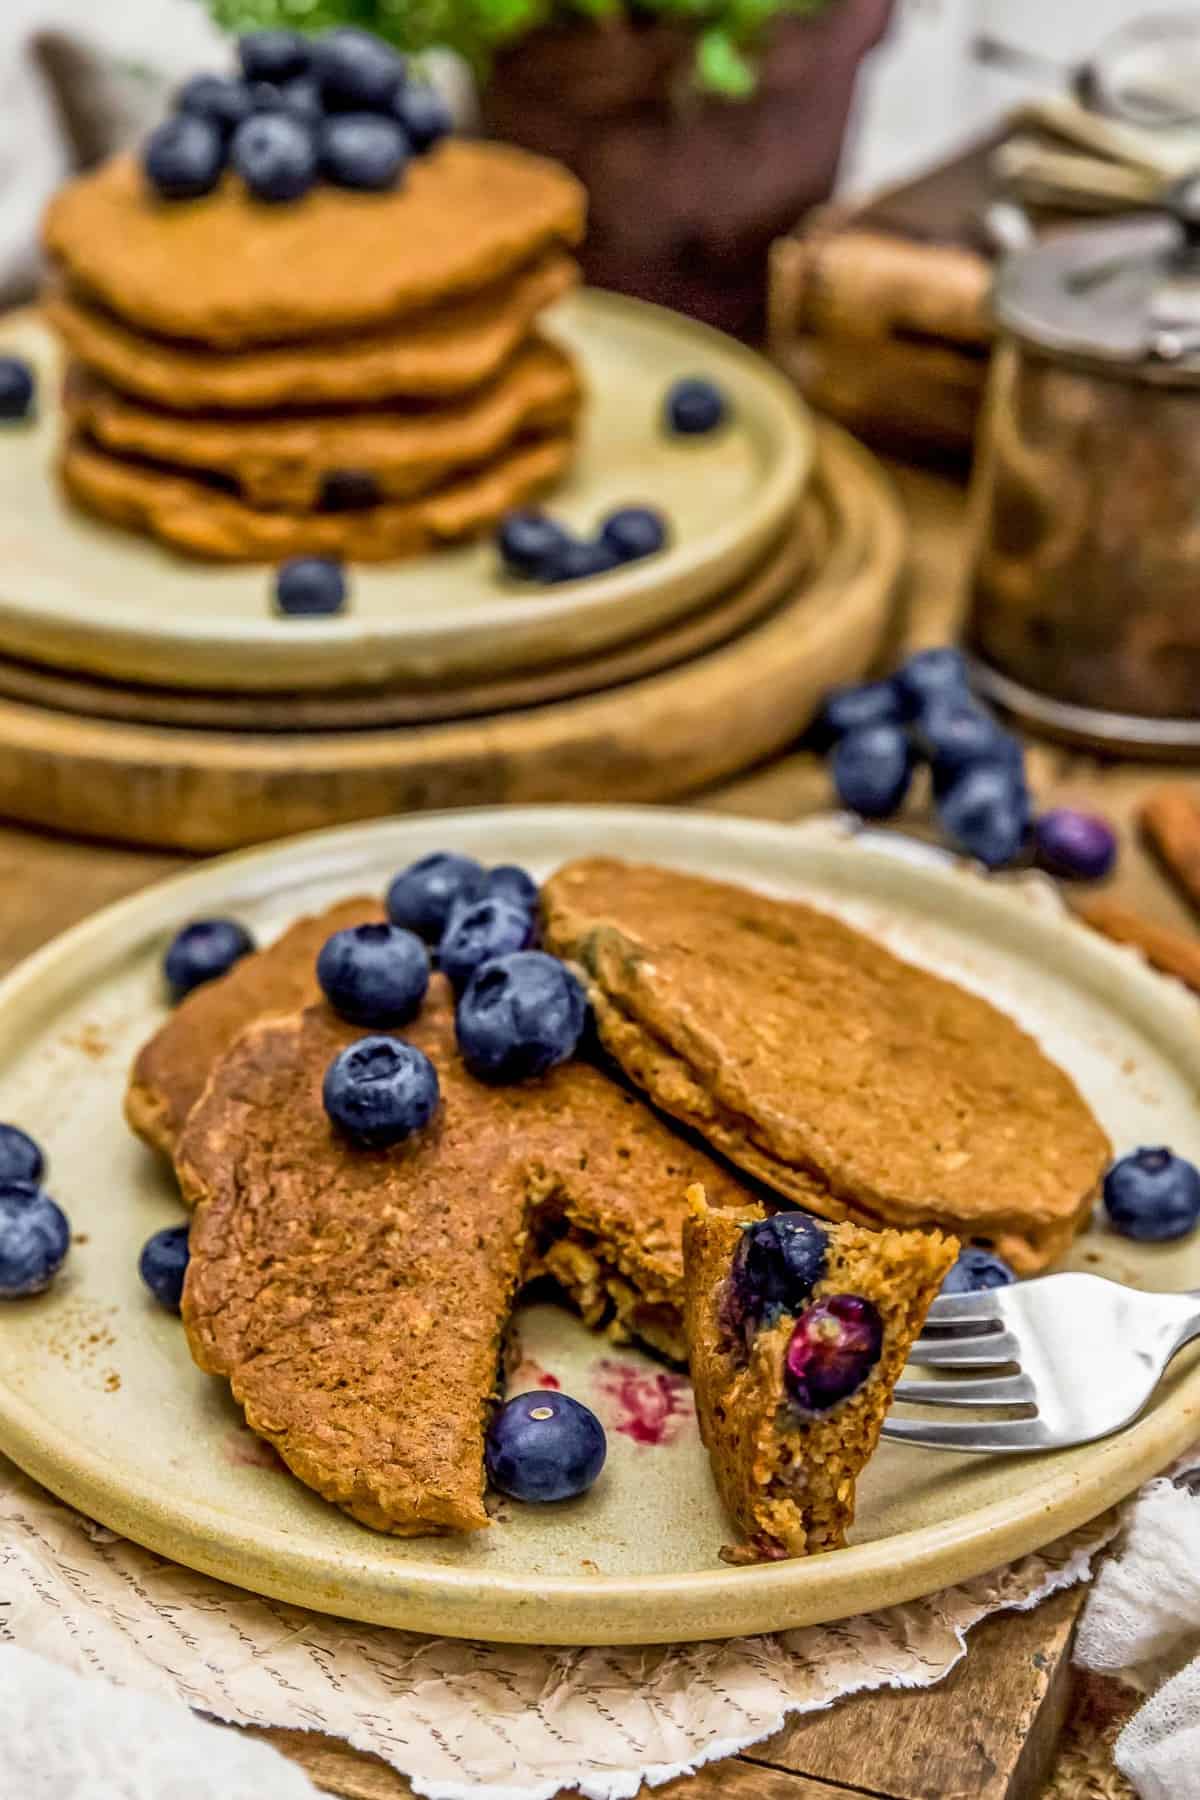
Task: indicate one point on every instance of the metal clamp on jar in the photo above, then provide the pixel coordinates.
(1085, 604)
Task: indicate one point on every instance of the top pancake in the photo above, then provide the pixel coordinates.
(227, 270)
(861, 1086)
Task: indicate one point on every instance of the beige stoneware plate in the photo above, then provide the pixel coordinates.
(99, 1400)
(79, 594)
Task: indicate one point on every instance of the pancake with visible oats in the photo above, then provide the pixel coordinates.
(204, 519)
(443, 352)
(787, 1472)
(862, 1087)
(356, 1300)
(228, 271)
(295, 462)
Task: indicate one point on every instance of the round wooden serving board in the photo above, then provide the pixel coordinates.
(84, 596)
(650, 739)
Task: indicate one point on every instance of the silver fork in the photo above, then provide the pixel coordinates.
(1080, 1356)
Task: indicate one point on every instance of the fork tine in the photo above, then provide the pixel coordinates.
(1002, 1390)
(964, 1309)
(966, 1352)
(1000, 1434)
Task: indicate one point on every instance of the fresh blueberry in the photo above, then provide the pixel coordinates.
(310, 586)
(362, 150)
(833, 1349)
(543, 1447)
(530, 543)
(34, 1240)
(1152, 1195)
(985, 813)
(520, 1016)
(217, 98)
(847, 709)
(16, 388)
(955, 732)
(931, 675)
(374, 974)
(423, 896)
(579, 560)
(976, 1270)
(634, 532)
(163, 1265)
(776, 1266)
(276, 156)
(357, 71)
(21, 1159)
(694, 406)
(424, 115)
(349, 490)
(478, 931)
(274, 55)
(380, 1091)
(507, 882)
(184, 156)
(202, 951)
(302, 97)
(1077, 846)
(872, 769)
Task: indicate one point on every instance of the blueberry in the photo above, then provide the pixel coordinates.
(976, 1270)
(520, 1016)
(163, 1265)
(507, 882)
(348, 490)
(872, 769)
(986, 813)
(357, 71)
(276, 156)
(202, 951)
(479, 930)
(832, 1351)
(184, 156)
(931, 675)
(776, 1265)
(530, 542)
(423, 896)
(634, 532)
(579, 560)
(310, 587)
(694, 406)
(374, 974)
(380, 1091)
(16, 388)
(1152, 1195)
(34, 1240)
(424, 115)
(21, 1159)
(545, 1446)
(274, 55)
(362, 150)
(955, 732)
(847, 709)
(1077, 846)
(300, 97)
(217, 98)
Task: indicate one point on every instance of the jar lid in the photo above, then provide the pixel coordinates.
(1125, 294)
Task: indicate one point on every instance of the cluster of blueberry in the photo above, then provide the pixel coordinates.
(880, 732)
(339, 107)
(16, 389)
(535, 547)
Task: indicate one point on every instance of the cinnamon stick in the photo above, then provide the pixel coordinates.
(1170, 821)
(1171, 952)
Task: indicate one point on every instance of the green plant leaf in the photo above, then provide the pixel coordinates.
(721, 67)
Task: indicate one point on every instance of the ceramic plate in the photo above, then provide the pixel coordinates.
(99, 1400)
(83, 595)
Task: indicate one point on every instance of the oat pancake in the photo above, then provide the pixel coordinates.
(206, 520)
(445, 351)
(862, 1087)
(292, 462)
(356, 1299)
(227, 270)
(171, 1068)
(787, 1477)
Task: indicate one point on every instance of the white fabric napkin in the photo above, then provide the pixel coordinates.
(1142, 1623)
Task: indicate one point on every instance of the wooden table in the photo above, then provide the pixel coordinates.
(989, 1731)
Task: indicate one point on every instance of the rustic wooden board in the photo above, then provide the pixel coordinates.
(653, 739)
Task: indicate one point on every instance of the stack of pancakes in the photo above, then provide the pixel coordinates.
(352, 374)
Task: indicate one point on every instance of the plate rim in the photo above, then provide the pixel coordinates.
(595, 1610)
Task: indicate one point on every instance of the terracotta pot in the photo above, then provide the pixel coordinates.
(687, 190)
